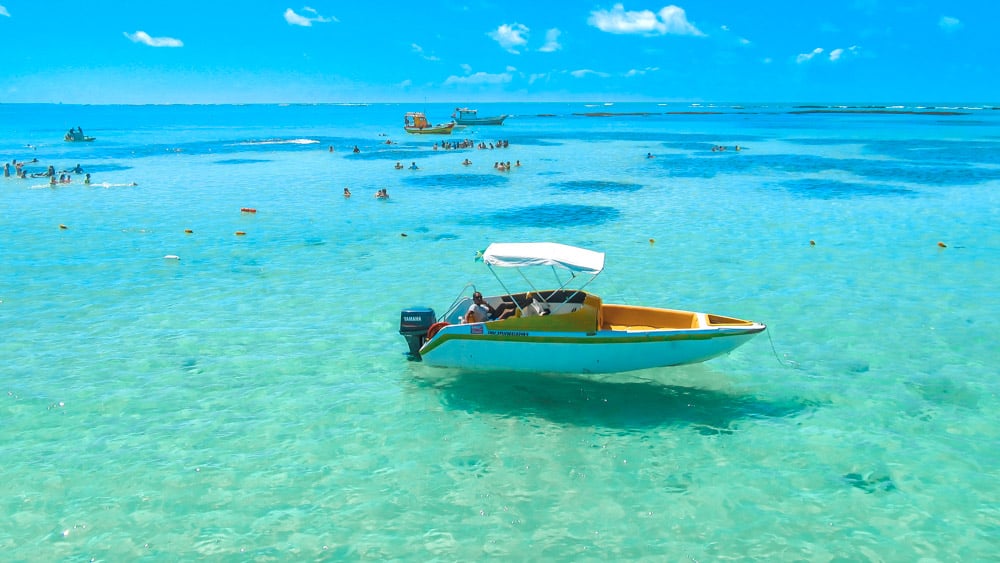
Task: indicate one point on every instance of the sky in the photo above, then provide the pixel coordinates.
(369, 51)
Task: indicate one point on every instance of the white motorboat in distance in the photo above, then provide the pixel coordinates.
(564, 330)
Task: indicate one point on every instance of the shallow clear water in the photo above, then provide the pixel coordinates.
(251, 400)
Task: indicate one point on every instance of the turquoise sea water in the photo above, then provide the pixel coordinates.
(251, 401)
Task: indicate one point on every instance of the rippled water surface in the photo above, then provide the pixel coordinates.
(251, 401)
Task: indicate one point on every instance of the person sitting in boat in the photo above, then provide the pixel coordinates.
(480, 311)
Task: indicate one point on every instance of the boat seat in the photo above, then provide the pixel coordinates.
(632, 327)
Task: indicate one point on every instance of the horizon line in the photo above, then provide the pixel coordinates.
(862, 104)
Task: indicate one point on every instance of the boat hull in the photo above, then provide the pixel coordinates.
(476, 347)
(435, 130)
(495, 120)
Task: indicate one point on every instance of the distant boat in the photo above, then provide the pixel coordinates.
(466, 116)
(77, 136)
(416, 122)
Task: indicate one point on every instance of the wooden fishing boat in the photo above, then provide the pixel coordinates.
(466, 116)
(416, 122)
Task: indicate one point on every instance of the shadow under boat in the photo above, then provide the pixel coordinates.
(627, 404)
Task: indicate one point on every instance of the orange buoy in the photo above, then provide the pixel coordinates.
(942, 245)
(240, 233)
(248, 210)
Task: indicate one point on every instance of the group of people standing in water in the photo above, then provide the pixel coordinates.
(502, 166)
(21, 171)
(469, 143)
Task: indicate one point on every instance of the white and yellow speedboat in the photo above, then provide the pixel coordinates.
(565, 330)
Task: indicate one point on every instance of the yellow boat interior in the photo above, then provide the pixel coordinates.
(578, 311)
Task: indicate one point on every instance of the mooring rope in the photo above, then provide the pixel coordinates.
(787, 363)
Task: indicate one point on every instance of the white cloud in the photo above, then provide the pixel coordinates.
(949, 23)
(3, 11)
(306, 21)
(420, 51)
(669, 20)
(536, 77)
(143, 37)
(294, 19)
(835, 54)
(583, 72)
(551, 41)
(740, 40)
(640, 72)
(510, 37)
(479, 78)
(804, 57)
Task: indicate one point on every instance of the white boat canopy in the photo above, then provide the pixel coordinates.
(520, 254)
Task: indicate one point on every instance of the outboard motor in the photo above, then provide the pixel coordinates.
(413, 325)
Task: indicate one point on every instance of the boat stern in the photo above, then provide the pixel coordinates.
(414, 323)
